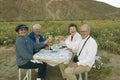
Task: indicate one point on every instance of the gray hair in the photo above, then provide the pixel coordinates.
(36, 26)
(86, 25)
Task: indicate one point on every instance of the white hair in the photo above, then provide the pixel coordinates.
(36, 26)
(86, 25)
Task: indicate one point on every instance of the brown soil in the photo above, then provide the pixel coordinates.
(9, 69)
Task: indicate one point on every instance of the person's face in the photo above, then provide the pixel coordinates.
(22, 32)
(36, 31)
(73, 30)
(84, 32)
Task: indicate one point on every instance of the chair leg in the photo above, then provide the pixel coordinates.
(27, 75)
(19, 74)
(86, 76)
(80, 76)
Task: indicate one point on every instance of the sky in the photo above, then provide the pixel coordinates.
(115, 3)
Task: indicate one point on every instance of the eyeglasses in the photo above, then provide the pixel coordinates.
(83, 31)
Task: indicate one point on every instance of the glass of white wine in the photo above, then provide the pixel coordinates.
(50, 37)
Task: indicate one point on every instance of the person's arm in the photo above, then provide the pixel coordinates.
(22, 50)
(42, 40)
(41, 44)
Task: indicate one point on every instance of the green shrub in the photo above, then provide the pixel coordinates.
(106, 32)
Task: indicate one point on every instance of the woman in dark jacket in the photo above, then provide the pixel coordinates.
(37, 38)
(24, 51)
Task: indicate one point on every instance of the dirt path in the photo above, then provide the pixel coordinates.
(7, 64)
(115, 63)
(9, 70)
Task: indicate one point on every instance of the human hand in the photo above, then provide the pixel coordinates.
(74, 65)
(60, 38)
(47, 41)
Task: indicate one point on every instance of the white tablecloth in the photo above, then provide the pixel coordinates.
(53, 57)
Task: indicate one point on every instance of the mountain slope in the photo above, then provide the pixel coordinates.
(56, 10)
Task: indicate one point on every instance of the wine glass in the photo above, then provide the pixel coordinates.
(50, 37)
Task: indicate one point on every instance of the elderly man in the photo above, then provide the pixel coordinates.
(38, 38)
(85, 55)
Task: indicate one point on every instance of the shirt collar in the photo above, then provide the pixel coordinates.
(86, 38)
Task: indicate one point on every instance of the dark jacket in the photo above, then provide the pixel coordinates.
(41, 39)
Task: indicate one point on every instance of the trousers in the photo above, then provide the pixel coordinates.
(71, 72)
(41, 68)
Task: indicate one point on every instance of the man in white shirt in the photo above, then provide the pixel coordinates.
(87, 56)
(73, 39)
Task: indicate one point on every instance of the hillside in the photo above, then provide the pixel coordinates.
(12, 10)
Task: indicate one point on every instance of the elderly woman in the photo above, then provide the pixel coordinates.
(73, 39)
(37, 38)
(24, 51)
